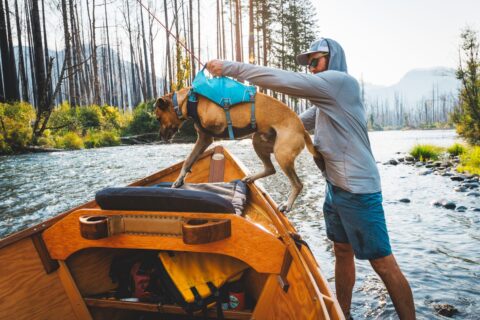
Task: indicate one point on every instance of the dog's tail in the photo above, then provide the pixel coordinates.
(310, 146)
(317, 156)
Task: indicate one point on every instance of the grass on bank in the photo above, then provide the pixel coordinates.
(456, 149)
(469, 155)
(425, 152)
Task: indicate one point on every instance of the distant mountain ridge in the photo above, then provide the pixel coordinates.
(415, 86)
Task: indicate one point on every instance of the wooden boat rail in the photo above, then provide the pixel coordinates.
(64, 238)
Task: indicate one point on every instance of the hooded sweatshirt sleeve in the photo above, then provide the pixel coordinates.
(308, 118)
(292, 83)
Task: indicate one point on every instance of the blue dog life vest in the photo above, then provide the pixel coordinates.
(225, 92)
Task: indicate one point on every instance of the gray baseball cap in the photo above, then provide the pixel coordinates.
(320, 45)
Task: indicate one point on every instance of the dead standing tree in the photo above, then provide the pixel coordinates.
(43, 76)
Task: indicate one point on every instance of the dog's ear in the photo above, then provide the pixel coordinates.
(162, 104)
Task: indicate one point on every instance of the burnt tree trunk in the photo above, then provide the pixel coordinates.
(192, 47)
(120, 77)
(68, 60)
(96, 84)
(39, 66)
(113, 100)
(7, 61)
(251, 36)
(133, 84)
(169, 60)
(13, 70)
(152, 58)
(148, 83)
(73, 55)
(45, 43)
(21, 61)
(31, 54)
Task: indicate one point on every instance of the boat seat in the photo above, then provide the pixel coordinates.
(162, 199)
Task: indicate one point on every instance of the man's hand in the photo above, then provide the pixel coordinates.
(215, 67)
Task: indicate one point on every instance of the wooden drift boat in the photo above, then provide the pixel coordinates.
(60, 270)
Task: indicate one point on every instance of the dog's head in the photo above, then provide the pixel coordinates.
(166, 115)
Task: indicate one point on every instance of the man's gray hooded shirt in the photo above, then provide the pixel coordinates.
(337, 115)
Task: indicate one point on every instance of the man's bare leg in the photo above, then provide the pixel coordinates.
(397, 286)
(344, 275)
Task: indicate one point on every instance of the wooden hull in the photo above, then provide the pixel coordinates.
(51, 272)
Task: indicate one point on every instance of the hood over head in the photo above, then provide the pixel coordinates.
(337, 60)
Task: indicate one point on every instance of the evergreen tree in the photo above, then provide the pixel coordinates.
(299, 29)
(467, 114)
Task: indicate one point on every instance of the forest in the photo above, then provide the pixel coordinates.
(83, 67)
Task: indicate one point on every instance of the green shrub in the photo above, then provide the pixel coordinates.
(110, 138)
(4, 147)
(144, 120)
(96, 139)
(63, 119)
(70, 140)
(425, 152)
(470, 161)
(90, 117)
(92, 139)
(15, 126)
(46, 140)
(456, 149)
(112, 117)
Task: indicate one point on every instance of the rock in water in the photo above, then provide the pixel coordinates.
(457, 178)
(461, 209)
(446, 310)
(437, 203)
(437, 163)
(404, 200)
(392, 162)
(425, 172)
(448, 204)
(419, 164)
(460, 189)
(409, 158)
(473, 194)
(470, 185)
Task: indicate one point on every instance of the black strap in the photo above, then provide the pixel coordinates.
(198, 298)
(192, 104)
(218, 297)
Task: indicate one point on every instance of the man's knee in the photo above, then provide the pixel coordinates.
(343, 250)
(385, 265)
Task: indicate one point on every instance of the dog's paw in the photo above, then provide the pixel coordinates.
(248, 179)
(178, 183)
(284, 207)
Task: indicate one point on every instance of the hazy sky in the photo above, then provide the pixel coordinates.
(383, 39)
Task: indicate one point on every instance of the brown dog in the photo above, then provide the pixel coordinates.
(279, 131)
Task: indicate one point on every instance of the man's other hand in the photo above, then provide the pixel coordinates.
(215, 67)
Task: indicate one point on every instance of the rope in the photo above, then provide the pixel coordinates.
(169, 32)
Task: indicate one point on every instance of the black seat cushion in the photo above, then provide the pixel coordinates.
(162, 199)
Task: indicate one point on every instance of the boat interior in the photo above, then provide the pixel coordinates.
(60, 269)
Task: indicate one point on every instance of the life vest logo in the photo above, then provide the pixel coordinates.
(234, 302)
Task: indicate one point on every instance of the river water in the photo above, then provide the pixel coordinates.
(438, 249)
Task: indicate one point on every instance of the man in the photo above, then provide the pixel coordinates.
(353, 209)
